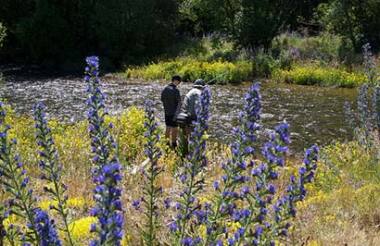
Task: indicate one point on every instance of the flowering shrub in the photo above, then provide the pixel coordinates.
(246, 205)
(311, 75)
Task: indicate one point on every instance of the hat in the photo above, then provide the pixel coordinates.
(199, 82)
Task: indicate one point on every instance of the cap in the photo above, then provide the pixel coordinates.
(200, 82)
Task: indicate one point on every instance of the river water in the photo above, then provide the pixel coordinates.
(315, 114)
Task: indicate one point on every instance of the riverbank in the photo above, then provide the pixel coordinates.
(221, 72)
(294, 59)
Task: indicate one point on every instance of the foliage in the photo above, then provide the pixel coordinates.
(355, 20)
(342, 205)
(324, 76)
(134, 32)
(74, 152)
(324, 47)
(120, 31)
(264, 64)
(366, 121)
(261, 21)
(203, 17)
(249, 23)
(2, 34)
(214, 48)
(189, 69)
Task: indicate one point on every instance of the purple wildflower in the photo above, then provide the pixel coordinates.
(107, 169)
(191, 175)
(46, 229)
(50, 166)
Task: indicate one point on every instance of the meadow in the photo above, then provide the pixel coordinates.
(124, 186)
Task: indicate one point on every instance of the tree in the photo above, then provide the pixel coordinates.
(261, 21)
(55, 32)
(356, 20)
(2, 34)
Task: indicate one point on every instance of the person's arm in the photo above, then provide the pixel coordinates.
(185, 105)
(178, 102)
(163, 95)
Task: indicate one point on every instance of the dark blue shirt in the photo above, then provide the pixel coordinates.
(171, 99)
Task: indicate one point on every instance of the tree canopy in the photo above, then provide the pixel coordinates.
(133, 31)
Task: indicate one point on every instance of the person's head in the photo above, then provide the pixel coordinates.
(176, 79)
(199, 83)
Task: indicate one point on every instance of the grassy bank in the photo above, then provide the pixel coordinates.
(323, 60)
(219, 72)
(321, 76)
(343, 206)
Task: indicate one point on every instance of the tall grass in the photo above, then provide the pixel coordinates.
(190, 69)
(323, 76)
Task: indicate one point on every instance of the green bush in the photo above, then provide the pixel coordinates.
(190, 69)
(324, 76)
(355, 20)
(264, 64)
(325, 47)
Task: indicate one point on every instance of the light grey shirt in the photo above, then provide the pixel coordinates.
(191, 100)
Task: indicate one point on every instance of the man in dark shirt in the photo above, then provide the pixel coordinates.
(171, 99)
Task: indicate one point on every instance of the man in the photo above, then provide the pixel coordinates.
(192, 98)
(171, 99)
(189, 105)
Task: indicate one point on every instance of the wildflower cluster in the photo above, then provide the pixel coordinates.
(369, 64)
(46, 229)
(192, 174)
(106, 169)
(14, 179)
(246, 208)
(296, 192)
(366, 121)
(22, 203)
(51, 168)
(151, 190)
(236, 169)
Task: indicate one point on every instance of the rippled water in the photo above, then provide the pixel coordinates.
(315, 114)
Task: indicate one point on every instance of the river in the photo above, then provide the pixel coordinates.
(315, 114)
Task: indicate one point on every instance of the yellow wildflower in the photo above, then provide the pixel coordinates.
(80, 229)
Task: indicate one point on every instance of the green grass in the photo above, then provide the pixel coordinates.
(219, 72)
(322, 76)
